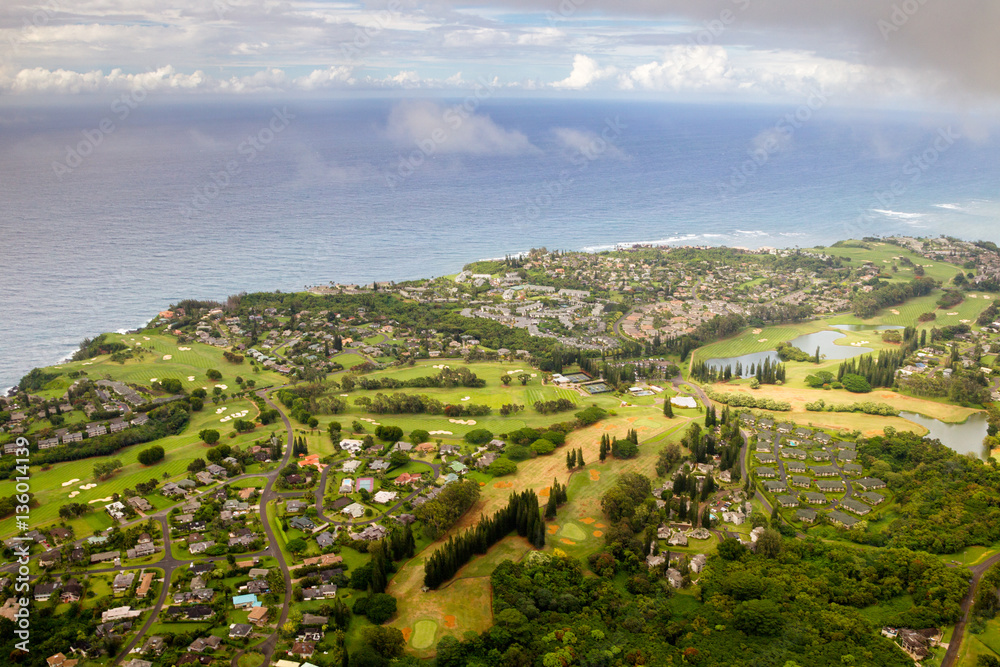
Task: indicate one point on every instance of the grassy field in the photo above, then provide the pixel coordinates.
(52, 486)
(463, 604)
(161, 358)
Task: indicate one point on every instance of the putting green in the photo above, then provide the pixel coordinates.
(423, 634)
(573, 531)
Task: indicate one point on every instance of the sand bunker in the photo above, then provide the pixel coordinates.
(225, 419)
(965, 321)
(761, 340)
(587, 520)
(441, 366)
(756, 332)
(466, 398)
(598, 533)
(184, 349)
(972, 296)
(222, 386)
(894, 311)
(534, 375)
(951, 314)
(88, 363)
(463, 422)
(343, 394)
(167, 357)
(71, 482)
(503, 485)
(153, 379)
(88, 487)
(595, 474)
(190, 378)
(99, 500)
(449, 621)
(219, 411)
(74, 494)
(439, 432)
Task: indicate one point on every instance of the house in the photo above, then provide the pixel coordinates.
(815, 498)
(678, 539)
(171, 490)
(486, 459)
(766, 457)
(841, 519)
(199, 612)
(870, 483)
(325, 539)
(830, 485)
(60, 660)
(44, 591)
(858, 508)
(402, 447)
(352, 446)
(799, 480)
(217, 471)
(795, 466)
(793, 453)
(140, 551)
(872, 497)
(826, 471)
(458, 467)
(258, 615)
(346, 486)
(303, 649)
(205, 644)
(204, 477)
(311, 619)
(785, 428)
(136, 662)
(324, 592)
(104, 556)
(144, 584)
(295, 506)
(245, 601)
(819, 455)
(774, 485)
(674, 577)
(788, 501)
(61, 534)
(806, 515)
(303, 523)
(123, 582)
(408, 478)
(698, 563)
(139, 503)
(352, 466)
(767, 473)
(71, 592)
(802, 432)
(201, 547)
(379, 465)
(355, 510)
(258, 586)
(384, 497)
(371, 532)
(49, 558)
(154, 645)
(240, 630)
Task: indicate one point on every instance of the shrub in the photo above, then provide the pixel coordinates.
(543, 446)
(478, 436)
(502, 467)
(148, 457)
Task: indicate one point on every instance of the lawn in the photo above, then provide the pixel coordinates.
(162, 359)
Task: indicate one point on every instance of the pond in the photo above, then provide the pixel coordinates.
(964, 438)
(824, 340)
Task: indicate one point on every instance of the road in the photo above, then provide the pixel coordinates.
(955, 646)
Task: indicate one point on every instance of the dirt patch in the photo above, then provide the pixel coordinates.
(553, 528)
(482, 484)
(503, 485)
(595, 474)
(569, 542)
(599, 525)
(407, 632)
(449, 621)
(609, 427)
(544, 493)
(587, 520)
(598, 533)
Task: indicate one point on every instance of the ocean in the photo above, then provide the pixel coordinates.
(114, 209)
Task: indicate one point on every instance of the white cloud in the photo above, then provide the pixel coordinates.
(683, 68)
(325, 78)
(457, 129)
(585, 72)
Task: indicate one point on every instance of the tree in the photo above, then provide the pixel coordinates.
(418, 436)
(154, 454)
(297, 546)
(387, 642)
(769, 543)
(209, 436)
(105, 469)
(380, 608)
(478, 436)
(668, 409)
(505, 379)
(502, 467)
(579, 457)
(213, 374)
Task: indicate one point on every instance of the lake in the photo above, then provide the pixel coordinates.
(964, 438)
(824, 340)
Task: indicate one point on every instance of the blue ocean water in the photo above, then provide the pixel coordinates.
(171, 200)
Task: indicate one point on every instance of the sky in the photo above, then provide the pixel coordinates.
(869, 53)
